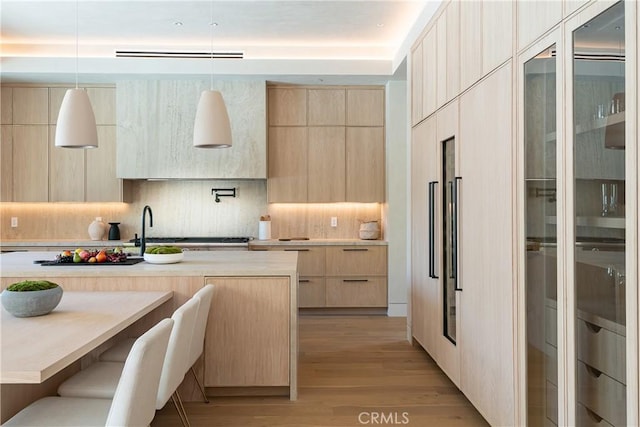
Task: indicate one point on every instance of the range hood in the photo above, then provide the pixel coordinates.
(155, 121)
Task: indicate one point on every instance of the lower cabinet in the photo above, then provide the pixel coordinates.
(345, 276)
(356, 276)
(265, 332)
(356, 292)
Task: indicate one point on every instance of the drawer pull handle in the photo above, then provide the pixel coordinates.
(593, 371)
(297, 250)
(355, 280)
(259, 249)
(595, 417)
(355, 249)
(304, 280)
(593, 328)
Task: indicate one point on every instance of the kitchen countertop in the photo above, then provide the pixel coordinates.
(61, 243)
(318, 242)
(79, 243)
(195, 263)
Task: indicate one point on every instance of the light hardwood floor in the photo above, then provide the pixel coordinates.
(352, 370)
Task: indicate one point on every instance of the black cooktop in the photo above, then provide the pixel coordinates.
(194, 240)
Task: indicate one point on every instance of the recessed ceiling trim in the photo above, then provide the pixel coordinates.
(178, 54)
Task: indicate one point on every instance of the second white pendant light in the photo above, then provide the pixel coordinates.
(76, 124)
(212, 128)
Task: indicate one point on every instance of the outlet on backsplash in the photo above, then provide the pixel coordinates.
(316, 220)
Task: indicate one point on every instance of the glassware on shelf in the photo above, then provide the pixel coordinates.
(609, 198)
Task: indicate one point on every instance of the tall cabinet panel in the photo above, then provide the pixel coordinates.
(425, 285)
(486, 226)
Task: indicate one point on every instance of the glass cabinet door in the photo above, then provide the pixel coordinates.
(450, 238)
(599, 218)
(539, 81)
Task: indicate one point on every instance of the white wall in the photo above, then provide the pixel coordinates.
(397, 200)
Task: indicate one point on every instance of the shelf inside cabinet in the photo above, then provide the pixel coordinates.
(594, 221)
(595, 124)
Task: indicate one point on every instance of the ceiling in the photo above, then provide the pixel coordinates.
(311, 42)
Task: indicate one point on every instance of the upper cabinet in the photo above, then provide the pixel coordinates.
(155, 129)
(336, 154)
(470, 43)
(416, 84)
(327, 107)
(35, 170)
(287, 107)
(497, 34)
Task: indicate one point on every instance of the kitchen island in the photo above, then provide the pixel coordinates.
(251, 339)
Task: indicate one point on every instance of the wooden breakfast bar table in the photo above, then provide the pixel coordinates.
(35, 349)
(251, 338)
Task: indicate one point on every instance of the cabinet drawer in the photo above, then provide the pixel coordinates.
(310, 260)
(587, 418)
(311, 292)
(356, 292)
(602, 394)
(356, 261)
(602, 349)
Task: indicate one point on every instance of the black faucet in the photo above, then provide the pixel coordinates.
(142, 238)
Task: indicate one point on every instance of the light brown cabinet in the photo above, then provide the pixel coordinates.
(66, 172)
(287, 169)
(346, 276)
(287, 106)
(6, 105)
(30, 105)
(356, 276)
(311, 267)
(327, 107)
(39, 171)
(6, 157)
(30, 163)
(365, 107)
(365, 169)
(336, 155)
(326, 174)
(265, 332)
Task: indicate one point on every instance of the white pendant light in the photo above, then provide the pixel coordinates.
(212, 128)
(76, 125)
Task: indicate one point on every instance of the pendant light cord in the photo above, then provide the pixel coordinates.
(76, 44)
(211, 41)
